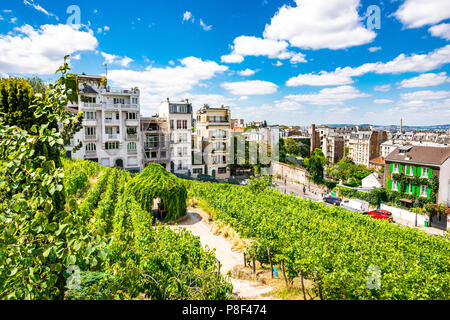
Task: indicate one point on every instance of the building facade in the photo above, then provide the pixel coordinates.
(333, 148)
(155, 141)
(211, 142)
(365, 146)
(111, 126)
(179, 118)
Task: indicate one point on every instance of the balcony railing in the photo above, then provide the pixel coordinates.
(131, 136)
(112, 121)
(91, 152)
(132, 151)
(89, 105)
(120, 106)
(112, 136)
(90, 137)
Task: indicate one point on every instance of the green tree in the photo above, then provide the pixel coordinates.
(315, 165)
(38, 85)
(282, 151)
(292, 147)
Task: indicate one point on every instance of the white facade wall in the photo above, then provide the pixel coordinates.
(104, 134)
(444, 183)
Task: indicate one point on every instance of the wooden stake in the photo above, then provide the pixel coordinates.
(270, 261)
(303, 284)
(284, 274)
(254, 266)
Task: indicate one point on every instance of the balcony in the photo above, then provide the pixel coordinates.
(90, 122)
(131, 151)
(90, 137)
(88, 105)
(131, 137)
(120, 91)
(91, 153)
(149, 146)
(111, 106)
(112, 122)
(132, 123)
(218, 137)
(112, 136)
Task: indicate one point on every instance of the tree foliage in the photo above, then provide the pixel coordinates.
(315, 165)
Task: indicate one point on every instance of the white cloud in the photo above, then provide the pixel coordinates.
(383, 88)
(39, 8)
(106, 28)
(247, 72)
(41, 51)
(374, 49)
(425, 80)
(13, 20)
(329, 96)
(188, 16)
(278, 64)
(232, 58)
(382, 101)
(441, 30)
(418, 13)
(113, 59)
(321, 79)
(287, 105)
(254, 46)
(253, 87)
(158, 83)
(204, 26)
(425, 95)
(401, 64)
(315, 25)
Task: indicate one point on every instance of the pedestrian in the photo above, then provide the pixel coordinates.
(304, 190)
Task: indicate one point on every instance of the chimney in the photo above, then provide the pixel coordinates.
(168, 100)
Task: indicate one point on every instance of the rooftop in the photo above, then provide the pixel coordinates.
(420, 154)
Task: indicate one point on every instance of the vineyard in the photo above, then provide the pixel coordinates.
(346, 255)
(119, 252)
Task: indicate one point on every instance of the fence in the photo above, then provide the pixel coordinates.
(406, 216)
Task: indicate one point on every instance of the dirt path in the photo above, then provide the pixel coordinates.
(227, 257)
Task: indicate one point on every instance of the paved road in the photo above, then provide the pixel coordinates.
(227, 257)
(296, 190)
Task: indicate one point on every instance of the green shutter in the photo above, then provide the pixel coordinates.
(428, 193)
(399, 187)
(408, 170)
(430, 173)
(414, 171)
(407, 188)
(419, 171)
(400, 168)
(390, 184)
(418, 190)
(413, 189)
(391, 167)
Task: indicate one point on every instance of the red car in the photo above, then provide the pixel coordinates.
(381, 214)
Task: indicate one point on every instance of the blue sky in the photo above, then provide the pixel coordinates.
(287, 62)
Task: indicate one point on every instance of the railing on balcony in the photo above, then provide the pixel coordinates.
(112, 136)
(112, 121)
(120, 106)
(131, 136)
(88, 105)
(120, 90)
(132, 151)
(91, 152)
(90, 137)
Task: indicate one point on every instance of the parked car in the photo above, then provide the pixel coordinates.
(355, 205)
(332, 200)
(381, 214)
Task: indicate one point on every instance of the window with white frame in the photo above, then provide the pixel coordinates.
(131, 146)
(135, 100)
(90, 115)
(424, 172)
(423, 191)
(119, 101)
(90, 147)
(111, 145)
(90, 131)
(131, 116)
(396, 168)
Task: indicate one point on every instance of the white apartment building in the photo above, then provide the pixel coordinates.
(179, 119)
(111, 130)
(212, 142)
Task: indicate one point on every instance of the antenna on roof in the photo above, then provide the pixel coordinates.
(106, 68)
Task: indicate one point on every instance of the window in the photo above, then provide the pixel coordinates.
(119, 101)
(184, 124)
(424, 172)
(131, 116)
(184, 151)
(117, 116)
(163, 154)
(423, 191)
(396, 168)
(154, 155)
(108, 116)
(131, 146)
(171, 124)
(90, 131)
(179, 123)
(90, 147)
(135, 100)
(112, 130)
(197, 171)
(111, 145)
(222, 170)
(90, 115)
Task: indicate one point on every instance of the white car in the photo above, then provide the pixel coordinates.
(355, 205)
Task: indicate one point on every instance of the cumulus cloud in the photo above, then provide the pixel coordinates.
(247, 72)
(374, 49)
(41, 51)
(114, 59)
(274, 49)
(401, 64)
(425, 80)
(253, 87)
(418, 13)
(313, 24)
(425, 95)
(204, 26)
(441, 30)
(158, 83)
(188, 16)
(232, 58)
(329, 96)
(383, 88)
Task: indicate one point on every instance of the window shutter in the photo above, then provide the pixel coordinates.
(400, 168)
(399, 187)
(414, 171)
(408, 170)
(418, 190)
(419, 171)
(407, 188)
(391, 167)
(428, 193)
(390, 184)
(413, 189)
(430, 173)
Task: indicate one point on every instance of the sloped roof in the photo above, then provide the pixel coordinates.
(88, 89)
(379, 161)
(420, 154)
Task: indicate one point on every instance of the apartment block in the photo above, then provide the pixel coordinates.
(111, 126)
(365, 145)
(179, 118)
(155, 141)
(211, 141)
(333, 148)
